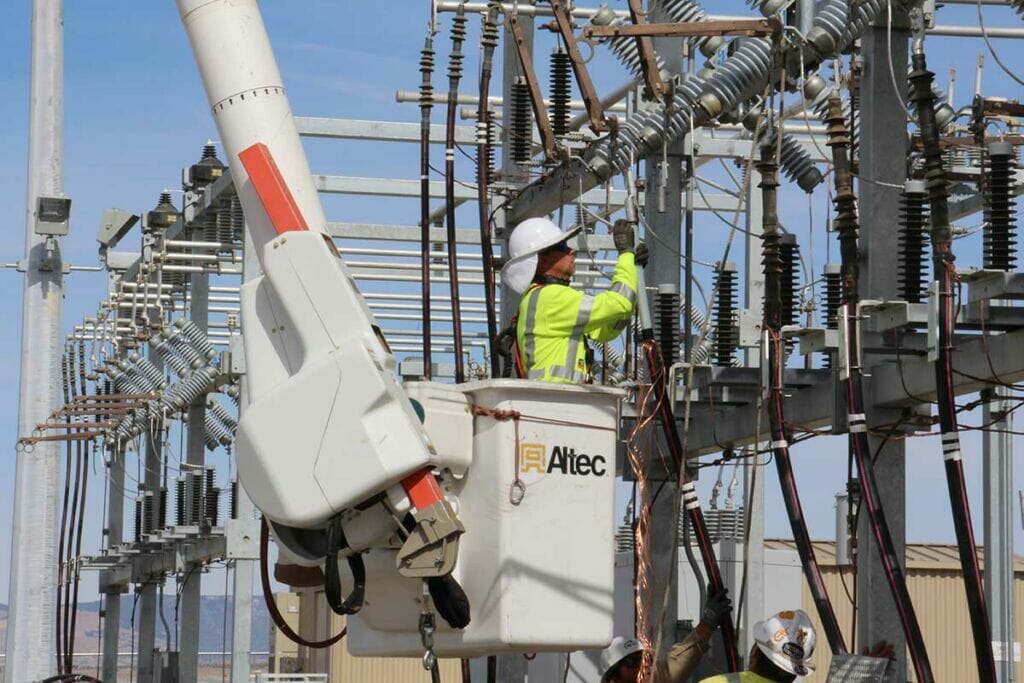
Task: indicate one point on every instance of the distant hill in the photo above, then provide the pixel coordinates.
(211, 626)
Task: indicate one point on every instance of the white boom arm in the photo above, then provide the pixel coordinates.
(327, 424)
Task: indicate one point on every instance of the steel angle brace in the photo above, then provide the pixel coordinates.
(654, 87)
(563, 20)
(738, 27)
(540, 111)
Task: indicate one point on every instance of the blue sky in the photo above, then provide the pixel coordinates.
(136, 113)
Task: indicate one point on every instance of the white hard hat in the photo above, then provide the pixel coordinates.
(787, 639)
(529, 238)
(619, 649)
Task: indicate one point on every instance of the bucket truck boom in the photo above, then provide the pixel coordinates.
(326, 425)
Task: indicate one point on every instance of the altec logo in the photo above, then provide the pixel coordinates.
(564, 459)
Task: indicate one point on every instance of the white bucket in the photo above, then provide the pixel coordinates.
(538, 574)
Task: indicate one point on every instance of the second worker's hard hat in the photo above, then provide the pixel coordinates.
(529, 238)
(618, 650)
(787, 640)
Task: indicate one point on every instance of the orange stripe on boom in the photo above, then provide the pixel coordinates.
(270, 187)
(422, 489)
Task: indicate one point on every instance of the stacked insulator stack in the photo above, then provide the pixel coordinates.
(138, 519)
(173, 279)
(485, 134)
(233, 501)
(833, 283)
(833, 297)
(211, 496)
(148, 513)
(161, 517)
(1000, 230)
(521, 122)
(560, 89)
(427, 70)
(180, 507)
(727, 334)
(789, 253)
(213, 506)
(667, 322)
(913, 239)
(195, 507)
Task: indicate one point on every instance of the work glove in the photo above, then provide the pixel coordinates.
(642, 255)
(622, 236)
(717, 608)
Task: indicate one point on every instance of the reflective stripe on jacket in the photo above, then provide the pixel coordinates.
(553, 320)
(741, 677)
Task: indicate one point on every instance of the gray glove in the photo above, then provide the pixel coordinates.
(717, 608)
(622, 236)
(642, 255)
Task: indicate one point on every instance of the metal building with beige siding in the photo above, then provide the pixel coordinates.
(933, 574)
(936, 588)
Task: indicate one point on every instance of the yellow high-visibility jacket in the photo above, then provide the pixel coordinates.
(553, 320)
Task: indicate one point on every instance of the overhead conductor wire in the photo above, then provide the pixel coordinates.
(846, 225)
(944, 271)
(458, 32)
(489, 41)
(426, 104)
(769, 170)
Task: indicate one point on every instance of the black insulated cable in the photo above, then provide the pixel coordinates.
(943, 270)
(659, 393)
(426, 104)
(271, 602)
(774, 317)
(488, 40)
(353, 602)
(458, 32)
(847, 227)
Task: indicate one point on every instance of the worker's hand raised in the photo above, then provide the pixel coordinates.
(622, 236)
(717, 608)
(642, 255)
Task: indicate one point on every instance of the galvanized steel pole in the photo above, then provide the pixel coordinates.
(997, 478)
(33, 586)
(191, 583)
(241, 603)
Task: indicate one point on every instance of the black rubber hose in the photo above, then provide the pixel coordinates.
(268, 599)
(78, 553)
(847, 227)
(780, 445)
(332, 577)
(942, 268)
(426, 104)
(656, 368)
(489, 41)
(458, 31)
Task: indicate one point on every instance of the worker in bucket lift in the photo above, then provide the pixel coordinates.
(554, 320)
(620, 661)
(782, 651)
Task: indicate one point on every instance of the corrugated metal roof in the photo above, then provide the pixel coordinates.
(922, 556)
